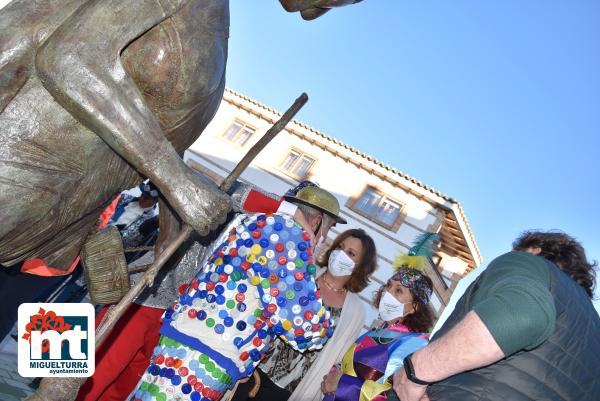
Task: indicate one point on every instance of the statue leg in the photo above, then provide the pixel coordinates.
(177, 370)
(29, 22)
(80, 66)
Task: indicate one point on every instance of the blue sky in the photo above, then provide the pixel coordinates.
(493, 103)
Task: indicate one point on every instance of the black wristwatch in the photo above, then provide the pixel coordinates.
(409, 369)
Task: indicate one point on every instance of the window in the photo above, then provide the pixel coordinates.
(297, 164)
(238, 133)
(378, 207)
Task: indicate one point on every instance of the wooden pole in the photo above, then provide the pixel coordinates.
(113, 315)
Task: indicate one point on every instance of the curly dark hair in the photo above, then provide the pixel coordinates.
(359, 280)
(565, 252)
(423, 317)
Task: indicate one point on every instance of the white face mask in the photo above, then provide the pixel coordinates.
(390, 308)
(340, 263)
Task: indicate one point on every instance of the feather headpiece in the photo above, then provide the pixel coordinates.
(408, 269)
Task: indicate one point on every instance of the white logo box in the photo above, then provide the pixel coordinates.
(47, 348)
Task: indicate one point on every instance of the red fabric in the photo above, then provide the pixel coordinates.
(124, 355)
(108, 212)
(257, 202)
(38, 267)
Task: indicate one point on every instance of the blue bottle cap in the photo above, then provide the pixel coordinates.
(186, 388)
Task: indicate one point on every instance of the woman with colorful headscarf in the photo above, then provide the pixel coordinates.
(367, 367)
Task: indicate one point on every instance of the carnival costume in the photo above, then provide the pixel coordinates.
(258, 284)
(373, 359)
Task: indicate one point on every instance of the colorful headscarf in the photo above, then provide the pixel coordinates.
(415, 280)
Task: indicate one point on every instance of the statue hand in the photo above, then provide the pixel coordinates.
(198, 202)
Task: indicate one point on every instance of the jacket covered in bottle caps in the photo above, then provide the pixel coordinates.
(257, 285)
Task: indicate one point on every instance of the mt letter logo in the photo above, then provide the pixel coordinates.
(56, 340)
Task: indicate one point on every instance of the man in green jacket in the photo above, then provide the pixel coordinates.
(526, 329)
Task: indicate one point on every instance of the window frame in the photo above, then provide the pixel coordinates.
(234, 140)
(294, 165)
(352, 204)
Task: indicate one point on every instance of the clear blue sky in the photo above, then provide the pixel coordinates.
(494, 103)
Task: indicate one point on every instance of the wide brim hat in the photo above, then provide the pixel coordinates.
(319, 199)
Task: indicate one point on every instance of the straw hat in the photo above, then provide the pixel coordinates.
(319, 199)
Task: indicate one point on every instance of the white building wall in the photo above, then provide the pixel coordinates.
(345, 180)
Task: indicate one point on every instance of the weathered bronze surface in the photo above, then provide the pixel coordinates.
(95, 94)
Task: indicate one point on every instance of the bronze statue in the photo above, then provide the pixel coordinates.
(95, 95)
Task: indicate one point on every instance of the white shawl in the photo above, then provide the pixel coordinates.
(346, 332)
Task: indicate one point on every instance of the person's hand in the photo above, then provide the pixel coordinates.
(407, 390)
(299, 217)
(330, 381)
